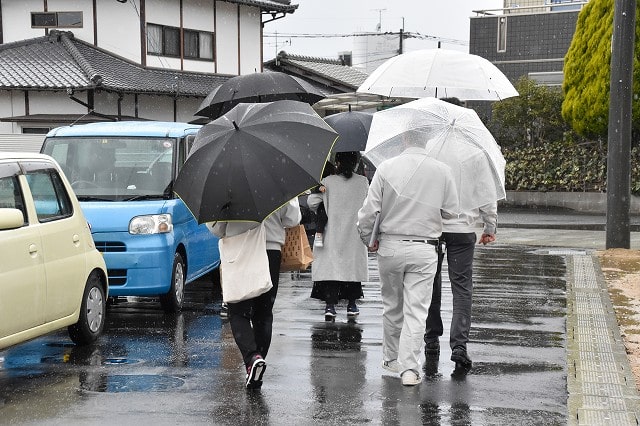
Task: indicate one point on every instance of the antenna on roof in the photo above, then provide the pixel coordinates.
(379, 25)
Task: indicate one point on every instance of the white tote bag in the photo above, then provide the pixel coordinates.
(244, 265)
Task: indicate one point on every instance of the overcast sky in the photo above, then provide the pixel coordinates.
(447, 20)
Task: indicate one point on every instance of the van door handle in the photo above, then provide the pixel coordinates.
(33, 249)
(76, 240)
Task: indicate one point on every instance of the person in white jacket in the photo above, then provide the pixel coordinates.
(252, 320)
(411, 193)
(459, 238)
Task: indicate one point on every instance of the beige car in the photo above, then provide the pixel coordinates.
(51, 275)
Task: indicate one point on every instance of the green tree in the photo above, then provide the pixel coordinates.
(532, 118)
(587, 71)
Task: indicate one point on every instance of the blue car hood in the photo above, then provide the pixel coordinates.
(114, 216)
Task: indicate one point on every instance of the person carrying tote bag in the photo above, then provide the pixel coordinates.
(244, 265)
(252, 319)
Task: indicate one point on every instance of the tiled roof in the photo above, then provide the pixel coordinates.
(59, 61)
(331, 69)
(269, 5)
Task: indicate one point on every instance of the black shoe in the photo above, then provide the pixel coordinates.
(255, 372)
(329, 312)
(432, 348)
(460, 357)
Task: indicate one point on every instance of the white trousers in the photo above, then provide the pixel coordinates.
(406, 271)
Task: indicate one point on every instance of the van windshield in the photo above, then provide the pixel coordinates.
(116, 168)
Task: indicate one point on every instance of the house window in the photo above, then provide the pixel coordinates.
(191, 44)
(154, 39)
(171, 41)
(56, 19)
(35, 130)
(502, 34)
(164, 40)
(206, 45)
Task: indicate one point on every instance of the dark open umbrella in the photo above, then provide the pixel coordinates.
(257, 87)
(353, 128)
(252, 160)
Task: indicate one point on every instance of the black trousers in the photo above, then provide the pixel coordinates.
(459, 250)
(251, 320)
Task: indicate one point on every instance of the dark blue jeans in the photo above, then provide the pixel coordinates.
(251, 320)
(459, 252)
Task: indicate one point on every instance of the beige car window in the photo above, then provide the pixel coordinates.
(49, 195)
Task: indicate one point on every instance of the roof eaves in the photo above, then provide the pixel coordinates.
(325, 75)
(284, 6)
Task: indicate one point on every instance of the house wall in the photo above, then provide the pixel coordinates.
(535, 42)
(227, 38)
(117, 29)
(250, 40)
(11, 103)
(16, 17)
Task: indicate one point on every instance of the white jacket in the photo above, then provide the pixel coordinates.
(285, 217)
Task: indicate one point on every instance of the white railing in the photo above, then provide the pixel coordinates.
(542, 7)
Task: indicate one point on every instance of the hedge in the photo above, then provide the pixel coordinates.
(561, 167)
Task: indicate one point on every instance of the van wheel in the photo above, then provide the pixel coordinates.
(172, 301)
(92, 313)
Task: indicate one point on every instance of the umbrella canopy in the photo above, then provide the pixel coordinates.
(454, 135)
(353, 129)
(249, 162)
(439, 73)
(257, 87)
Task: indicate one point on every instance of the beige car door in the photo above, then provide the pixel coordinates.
(61, 233)
(22, 273)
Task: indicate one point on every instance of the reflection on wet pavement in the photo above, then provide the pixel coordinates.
(150, 367)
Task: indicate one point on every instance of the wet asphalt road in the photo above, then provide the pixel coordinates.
(152, 368)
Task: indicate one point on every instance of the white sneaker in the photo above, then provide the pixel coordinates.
(392, 366)
(410, 378)
(317, 241)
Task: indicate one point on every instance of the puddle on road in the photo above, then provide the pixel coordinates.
(131, 383)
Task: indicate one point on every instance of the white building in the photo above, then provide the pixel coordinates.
(64, 61)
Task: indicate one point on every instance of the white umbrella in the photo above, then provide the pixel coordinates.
(439, 73)
(454, 135)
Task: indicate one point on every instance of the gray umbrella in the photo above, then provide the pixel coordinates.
(353, 128)
(252, 160)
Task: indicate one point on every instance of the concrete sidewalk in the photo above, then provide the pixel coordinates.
(601, 386)
(557, 228)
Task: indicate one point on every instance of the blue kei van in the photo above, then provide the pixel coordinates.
(123, 173)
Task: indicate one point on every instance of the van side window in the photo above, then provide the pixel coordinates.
(49, 194)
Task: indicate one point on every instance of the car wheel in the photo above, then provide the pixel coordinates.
(172, 301)
(92, 313)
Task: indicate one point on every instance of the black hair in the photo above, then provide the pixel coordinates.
(454, 101)
(346, 163)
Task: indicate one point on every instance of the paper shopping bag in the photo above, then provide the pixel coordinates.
(296, 252)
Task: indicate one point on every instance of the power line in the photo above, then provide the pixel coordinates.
(406, 35)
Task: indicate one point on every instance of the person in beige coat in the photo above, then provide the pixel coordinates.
(340, 265)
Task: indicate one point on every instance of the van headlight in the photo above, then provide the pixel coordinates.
(151, 224)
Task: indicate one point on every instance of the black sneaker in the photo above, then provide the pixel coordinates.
(352, 310)
(460, 357)
(329, 313)
(255, 372)
(432, 348)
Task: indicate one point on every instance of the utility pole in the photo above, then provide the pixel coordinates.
(619, 133)
(401, 47)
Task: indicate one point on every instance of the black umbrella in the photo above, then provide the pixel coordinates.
(257, 87)
(353, 128)
(252, 160)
